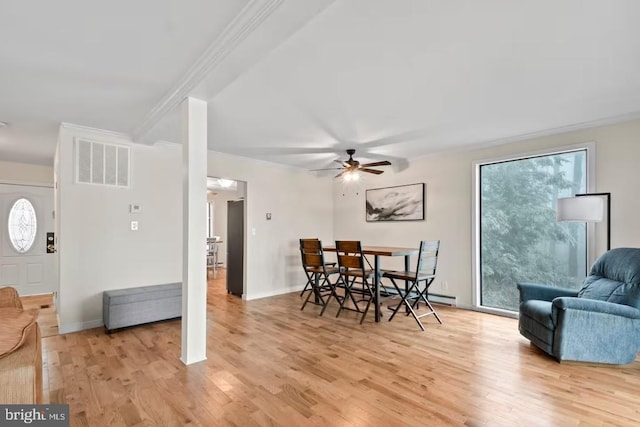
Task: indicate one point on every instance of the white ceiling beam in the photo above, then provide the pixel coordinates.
(249, 18)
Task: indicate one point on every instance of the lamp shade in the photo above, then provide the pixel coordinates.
(584, 209)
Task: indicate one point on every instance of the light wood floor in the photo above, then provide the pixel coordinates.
(47, 317)
(271, 364)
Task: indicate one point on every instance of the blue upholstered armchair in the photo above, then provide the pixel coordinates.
(599, 323)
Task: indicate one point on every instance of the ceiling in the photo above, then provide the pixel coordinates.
(299, 82)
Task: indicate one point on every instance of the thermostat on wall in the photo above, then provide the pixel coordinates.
(135, 208)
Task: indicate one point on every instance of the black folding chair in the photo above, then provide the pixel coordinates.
(317, 272)
(310, 245)
(417, 282)
(355, 277)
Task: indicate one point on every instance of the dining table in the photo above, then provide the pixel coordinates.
(377, 252)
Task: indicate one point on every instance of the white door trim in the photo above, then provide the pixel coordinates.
(27, 183)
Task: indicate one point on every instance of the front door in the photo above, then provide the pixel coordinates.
(26, 216)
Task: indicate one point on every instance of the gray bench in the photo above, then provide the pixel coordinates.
(135, 306)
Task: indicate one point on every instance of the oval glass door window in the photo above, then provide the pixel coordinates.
(22, 225)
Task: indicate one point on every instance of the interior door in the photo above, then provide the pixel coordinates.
(26, 265)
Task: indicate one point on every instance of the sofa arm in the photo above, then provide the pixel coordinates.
(529, 291)
(584, 304)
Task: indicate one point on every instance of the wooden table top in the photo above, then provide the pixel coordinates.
(381, 250)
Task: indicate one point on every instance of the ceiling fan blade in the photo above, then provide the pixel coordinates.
(340, 174)
(382, 163)
(326, 169)
(377, 172)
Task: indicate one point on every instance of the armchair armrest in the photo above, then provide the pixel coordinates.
(595, 331)
(529, 291)
(604, 307)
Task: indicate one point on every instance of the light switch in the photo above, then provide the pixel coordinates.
(134, 225)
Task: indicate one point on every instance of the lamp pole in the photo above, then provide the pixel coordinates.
(608, 196)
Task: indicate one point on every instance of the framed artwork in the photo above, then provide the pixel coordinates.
(401, 203)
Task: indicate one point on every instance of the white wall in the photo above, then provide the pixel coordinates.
(97, 249)
(98, 252)
(301, 206)
(24, 172)
(448, 178)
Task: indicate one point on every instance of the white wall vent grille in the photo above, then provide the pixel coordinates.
(102, 164)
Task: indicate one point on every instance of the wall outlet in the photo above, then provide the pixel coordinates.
(444, 285)
(134, 225)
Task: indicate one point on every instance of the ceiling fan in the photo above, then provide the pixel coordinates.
(351, 167)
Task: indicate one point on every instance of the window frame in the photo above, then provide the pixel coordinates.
(589, 147)
(34, 242)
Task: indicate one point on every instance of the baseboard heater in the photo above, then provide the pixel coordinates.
(443, 299)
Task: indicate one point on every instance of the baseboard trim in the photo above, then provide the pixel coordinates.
(81, 326)
(502, 313)
(192, 361)
(273, 293)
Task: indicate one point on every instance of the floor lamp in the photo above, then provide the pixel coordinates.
(586, 207)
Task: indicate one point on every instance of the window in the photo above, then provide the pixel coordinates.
(22, 225)
(519, 237)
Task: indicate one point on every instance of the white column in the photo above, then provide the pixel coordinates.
(194, 236)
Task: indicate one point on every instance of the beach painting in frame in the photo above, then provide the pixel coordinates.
(401, 203)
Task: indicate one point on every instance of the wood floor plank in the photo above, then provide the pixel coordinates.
(270, 364)
(47, 316)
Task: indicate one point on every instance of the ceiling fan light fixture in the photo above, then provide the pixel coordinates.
(226, 183)
(351, 176)
(351, 168)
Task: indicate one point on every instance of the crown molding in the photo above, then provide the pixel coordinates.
(107, 133)
(249, 18)
(167, 144)
(606, 121)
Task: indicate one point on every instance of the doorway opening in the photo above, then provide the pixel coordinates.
(226, 236)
